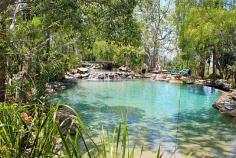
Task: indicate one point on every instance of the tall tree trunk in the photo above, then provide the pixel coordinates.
(48, 44)
(2, 74)
(202, 69)
(155, 55)
(214, 63)
(27, 63)
(24, 75)
(2, 61)
(218, 66)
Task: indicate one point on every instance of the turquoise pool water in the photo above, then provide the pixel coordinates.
(177, 117)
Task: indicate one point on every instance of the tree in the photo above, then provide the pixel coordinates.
(3, 6)
(202, 33)
(158, 31)
(48, 38)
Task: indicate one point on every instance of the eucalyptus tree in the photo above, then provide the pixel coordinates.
(158, 30)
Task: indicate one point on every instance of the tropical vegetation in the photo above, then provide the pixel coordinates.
(40, 40)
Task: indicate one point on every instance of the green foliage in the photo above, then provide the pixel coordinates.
(101, 51)
(36, 22)
(119, 25)
(205, 29)
(34, 131)
(51, 37)
(27, 136)
(130, 56)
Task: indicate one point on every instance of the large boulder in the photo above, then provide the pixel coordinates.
(78, 75)
(101, 76)
(219, 84)
(188, 80)
(234, 98)
(97, 66)
(111, 75)
(222, 84)
(124, 69)
(65, 117)
(130, 77)
(82, 70)
(85, 75)
(137, 75)
(73, 71)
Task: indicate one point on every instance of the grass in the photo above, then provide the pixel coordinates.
(34, 131)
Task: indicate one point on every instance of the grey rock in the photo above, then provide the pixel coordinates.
(234, 98)
(78, 75)
(74, 71)
(85, 75)
(222, 84)
(82, 70)
(130, 77)
(219, 84)
(101, 76)
(124, 69)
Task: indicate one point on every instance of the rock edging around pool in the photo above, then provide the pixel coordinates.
(95, 74)
(226, 103)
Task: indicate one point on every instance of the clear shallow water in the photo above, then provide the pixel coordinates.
(171, 115)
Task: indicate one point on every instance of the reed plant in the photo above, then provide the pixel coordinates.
(34, 131)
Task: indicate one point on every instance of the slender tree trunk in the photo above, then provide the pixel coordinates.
(202, 69)
(2, 74)
(27, 63)
(24, 75)
(2, 61)
(214, 63)
(48, 45)
(127, 62)
(234, 80)
(155, 54)
(218, 66)
(208, 69)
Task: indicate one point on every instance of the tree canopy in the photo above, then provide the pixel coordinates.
(206, 31)
(42, 39)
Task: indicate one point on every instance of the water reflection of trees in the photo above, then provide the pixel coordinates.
(200, 90)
